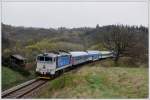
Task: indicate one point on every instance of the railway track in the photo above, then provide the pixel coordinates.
(24, 89)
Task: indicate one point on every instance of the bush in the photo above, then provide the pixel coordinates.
(21, 70)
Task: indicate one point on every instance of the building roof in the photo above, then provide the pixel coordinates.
(17, 56)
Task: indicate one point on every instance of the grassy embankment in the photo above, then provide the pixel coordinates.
(12, 78)
(99, 80)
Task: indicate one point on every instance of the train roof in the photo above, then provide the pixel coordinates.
(54, 54)
(64, 53)
(48, 54)
(105, 52)
(78, 53)
(93, 51)
(74, 53)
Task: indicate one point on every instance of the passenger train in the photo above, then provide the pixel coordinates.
(50, 63)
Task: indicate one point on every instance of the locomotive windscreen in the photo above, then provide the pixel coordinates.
(48, 59)
(43, 58)
(40, 58)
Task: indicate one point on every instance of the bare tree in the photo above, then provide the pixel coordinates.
(118, 39)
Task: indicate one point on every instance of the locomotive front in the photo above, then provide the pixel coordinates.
(46, 64)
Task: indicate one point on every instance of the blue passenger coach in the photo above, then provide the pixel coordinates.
(79, 57)
(106, 54)
(94, 55)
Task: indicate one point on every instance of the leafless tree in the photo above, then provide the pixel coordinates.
(118, 40)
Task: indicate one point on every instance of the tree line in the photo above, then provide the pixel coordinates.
(130, 41)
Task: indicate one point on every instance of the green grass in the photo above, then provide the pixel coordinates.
(11, 78)
(99, 80)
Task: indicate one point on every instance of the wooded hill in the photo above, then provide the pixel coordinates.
(29, 41)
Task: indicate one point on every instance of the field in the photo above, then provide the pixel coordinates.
(11, 78)
(99, 80)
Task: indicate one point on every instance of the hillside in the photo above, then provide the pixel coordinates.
(12, 78)
(30, 41)
(85, 36)
(99, 80)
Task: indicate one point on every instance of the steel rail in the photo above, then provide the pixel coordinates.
(23, 89)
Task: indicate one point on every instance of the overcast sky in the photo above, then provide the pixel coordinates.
(74, 14)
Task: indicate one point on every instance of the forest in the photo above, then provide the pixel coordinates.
(128, 41)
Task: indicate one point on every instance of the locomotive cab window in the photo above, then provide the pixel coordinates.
(40, 58)
(43, 58)
(49, 59)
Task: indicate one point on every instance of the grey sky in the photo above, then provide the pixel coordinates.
(74, 14)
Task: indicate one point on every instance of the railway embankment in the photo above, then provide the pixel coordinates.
(99, 80)
(11, 78)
